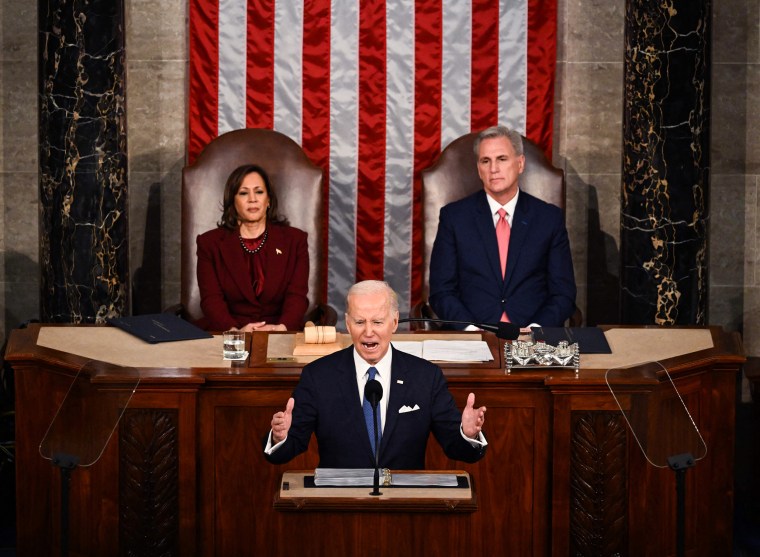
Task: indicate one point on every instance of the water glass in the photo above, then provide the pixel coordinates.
(234, 345)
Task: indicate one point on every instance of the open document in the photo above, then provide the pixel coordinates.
(447, 350)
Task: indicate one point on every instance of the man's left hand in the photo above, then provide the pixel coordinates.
(472, 418)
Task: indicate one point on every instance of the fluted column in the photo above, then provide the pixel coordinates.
(83, 160)
(665, 190)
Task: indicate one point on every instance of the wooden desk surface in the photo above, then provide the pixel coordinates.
(271, 353)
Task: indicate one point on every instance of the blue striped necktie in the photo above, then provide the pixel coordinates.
(368, 416)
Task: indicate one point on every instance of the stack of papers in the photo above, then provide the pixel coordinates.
(447, 350)
(363, 477)
(351, 477)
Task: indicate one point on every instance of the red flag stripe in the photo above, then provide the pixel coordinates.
(260, 65)
(542, 62)
(370, 203)
(316, 96)
(484, 84)
(427, 119)
(203, 76)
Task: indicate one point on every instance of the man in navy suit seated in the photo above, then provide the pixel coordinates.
(501, 254)
(328, 399)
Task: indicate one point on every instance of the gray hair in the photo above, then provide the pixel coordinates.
(500, 131)
(374, 287)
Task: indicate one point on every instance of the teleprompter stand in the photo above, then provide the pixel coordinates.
(661, 425)
(84, 423)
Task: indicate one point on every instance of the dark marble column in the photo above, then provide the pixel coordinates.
(83, 160)
(666, 125)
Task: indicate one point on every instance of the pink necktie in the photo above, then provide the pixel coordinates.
(502, 236)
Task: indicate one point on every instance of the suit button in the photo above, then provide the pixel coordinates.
(503, 301)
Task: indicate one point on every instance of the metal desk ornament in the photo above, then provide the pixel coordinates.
(526, 353)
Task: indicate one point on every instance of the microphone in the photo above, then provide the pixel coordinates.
(503, 330)
(373, 392)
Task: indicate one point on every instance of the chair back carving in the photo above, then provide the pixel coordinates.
(455, 175)
(296, 181)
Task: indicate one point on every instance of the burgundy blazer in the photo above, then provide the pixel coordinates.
(227, 296)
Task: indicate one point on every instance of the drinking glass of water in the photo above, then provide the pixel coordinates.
(234, 345)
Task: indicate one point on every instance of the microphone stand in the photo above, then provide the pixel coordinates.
(376, 478)
(679, 464)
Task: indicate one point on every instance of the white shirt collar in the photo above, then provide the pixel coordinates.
(509, 207)
(383, 368)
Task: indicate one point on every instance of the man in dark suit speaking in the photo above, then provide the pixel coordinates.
(501, 254)
(328, 399)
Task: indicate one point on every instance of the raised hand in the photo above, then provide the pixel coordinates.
(281, 422)
(472, 418)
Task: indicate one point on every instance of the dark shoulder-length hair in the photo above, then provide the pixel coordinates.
(229, 218)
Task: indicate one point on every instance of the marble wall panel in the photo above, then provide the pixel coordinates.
(727, 227)
(592, 30)
(156, 119)
(18, 84)
(735, 32)
(18, 31)
(19, 269)
(156, 30)
(730, 119)
(19, 278)
(593, 106)
(751, 244)
(157, 130)
(727, 308)
(750, 311)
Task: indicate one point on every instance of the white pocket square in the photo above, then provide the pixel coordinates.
(406, 408)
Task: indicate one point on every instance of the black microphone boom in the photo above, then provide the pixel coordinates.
(503, 330)
(373, 392)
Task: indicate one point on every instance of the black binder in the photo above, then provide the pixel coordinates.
(591, 340)
(159, 327)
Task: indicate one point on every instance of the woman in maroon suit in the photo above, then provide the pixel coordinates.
(253, 269)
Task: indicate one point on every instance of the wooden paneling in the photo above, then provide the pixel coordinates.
(185, 474)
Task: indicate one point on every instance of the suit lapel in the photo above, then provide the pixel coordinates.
(349, 392)
(484, 224)
(519, 234)
(234, 260)
(398, 385)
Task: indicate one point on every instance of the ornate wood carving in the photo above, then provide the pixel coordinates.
(598, 494)
(149, 483)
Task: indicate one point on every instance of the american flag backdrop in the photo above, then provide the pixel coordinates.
(372, 90)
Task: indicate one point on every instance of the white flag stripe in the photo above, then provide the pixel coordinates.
(399, 148)
(343, 172)
(288, 68)
(232, 64)
(513, 63)
(456, 70)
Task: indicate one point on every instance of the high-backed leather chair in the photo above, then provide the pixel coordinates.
(297, 183)
(455, 175)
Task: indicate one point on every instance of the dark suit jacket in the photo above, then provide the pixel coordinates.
(465, 274)
(227, 295)
(327, 403)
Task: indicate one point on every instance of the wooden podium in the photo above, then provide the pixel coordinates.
(185, 475)
(294, 496)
